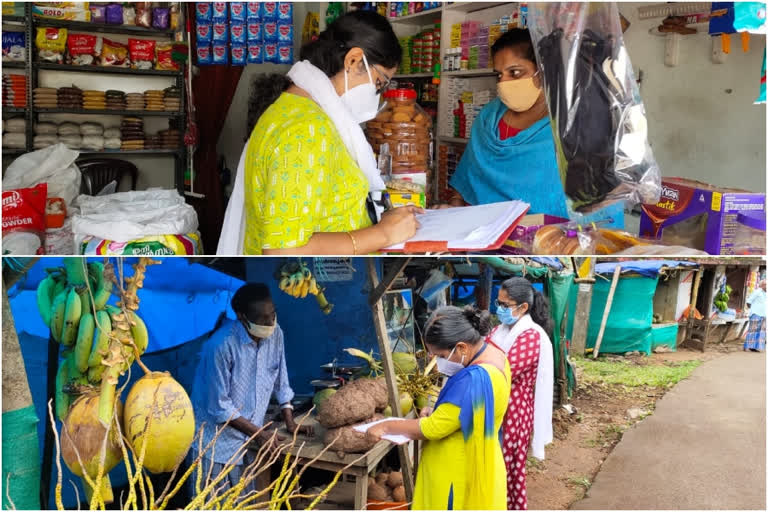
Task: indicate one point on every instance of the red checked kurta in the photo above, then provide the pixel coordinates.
(523, 359)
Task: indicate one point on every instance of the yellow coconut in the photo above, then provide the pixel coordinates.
(83, 434)
(173, 421)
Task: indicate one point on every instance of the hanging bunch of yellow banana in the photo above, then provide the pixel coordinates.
(297, 280)
(72, 301)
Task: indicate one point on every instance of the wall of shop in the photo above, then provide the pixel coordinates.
(313, 338)
(702, 120)
(701, 117)
(233, 135)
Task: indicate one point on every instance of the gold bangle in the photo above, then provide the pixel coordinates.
(354, 243)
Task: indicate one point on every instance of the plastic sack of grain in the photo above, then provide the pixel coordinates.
(54, 165)
(159, 245)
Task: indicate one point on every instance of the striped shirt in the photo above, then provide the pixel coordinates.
(237, 377)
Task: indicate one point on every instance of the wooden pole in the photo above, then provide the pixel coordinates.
(694, 296)
(385, 349)
(583, 308)
(562, 370)
(608, 304)
(484, 287)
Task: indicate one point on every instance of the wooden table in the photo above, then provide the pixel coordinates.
(330, 460)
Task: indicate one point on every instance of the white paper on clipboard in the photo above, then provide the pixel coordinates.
(396, 439)
(468, 227)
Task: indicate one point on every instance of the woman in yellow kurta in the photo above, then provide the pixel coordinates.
(462, 466)
(306, 181)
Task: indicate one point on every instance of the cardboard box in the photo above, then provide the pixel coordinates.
(700, 216)
(408, 199)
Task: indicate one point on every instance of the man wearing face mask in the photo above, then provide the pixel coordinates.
(241, 367)
(307, 170)
(524, 337)
(461, 466)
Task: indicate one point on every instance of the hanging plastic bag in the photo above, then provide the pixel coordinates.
(598, 118)
(750, 17)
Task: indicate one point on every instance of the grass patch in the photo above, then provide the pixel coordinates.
(580, 481)
(626, 373)
(534, 463)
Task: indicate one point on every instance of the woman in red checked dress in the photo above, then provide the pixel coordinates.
(523, 336)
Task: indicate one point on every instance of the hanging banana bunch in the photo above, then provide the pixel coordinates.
(72, 301)
(297, 280)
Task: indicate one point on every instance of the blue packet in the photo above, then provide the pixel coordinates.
(204, 33)
(237, 32)
(253, 11)
(220, 54)
(239, 54)
(203, 12)
(285, 11)
(220, 30)
(255, 53)
(237, 11)
(285, 53)
(253, 31)
(269, 11)
(269, 31)
(204, 55)
(285, 32)
(220, 11)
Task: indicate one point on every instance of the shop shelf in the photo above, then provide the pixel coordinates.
(14, 110)
(14, 19)
(419, 18)
(132, 113)
(453, 140)
(470, 73)
(132, 152)
(473, 6)
(413, 75)
(103, 69)
(14, 65)
(84, 26)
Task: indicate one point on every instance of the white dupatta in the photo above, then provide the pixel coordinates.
(311, 79)
(505, 338)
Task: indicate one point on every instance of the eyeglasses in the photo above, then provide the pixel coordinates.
(381, 87)
(504, 304)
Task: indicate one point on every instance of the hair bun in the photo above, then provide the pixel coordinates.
(480, 320)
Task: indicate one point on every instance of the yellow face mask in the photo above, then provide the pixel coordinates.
(518, 95)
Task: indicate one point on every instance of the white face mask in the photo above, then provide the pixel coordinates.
(447, 367)
(361, 101)
(261, 331)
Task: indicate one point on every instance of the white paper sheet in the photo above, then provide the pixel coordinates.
(396, 439)
(469, 227)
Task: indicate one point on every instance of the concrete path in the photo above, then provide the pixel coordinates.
(703, 447)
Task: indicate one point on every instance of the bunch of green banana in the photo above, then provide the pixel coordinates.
(297, 280)
(73, 303)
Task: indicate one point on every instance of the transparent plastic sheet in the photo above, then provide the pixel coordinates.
(598, 117)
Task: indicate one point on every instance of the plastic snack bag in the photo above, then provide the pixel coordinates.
(161, 18)
(165, 60)
(13, 47)
(83, 49)
(98, 13)
(24, 220)
(114, 54)
(115, 14)
(70, 11)
(129, 15)
(598, 118)
(142, 52)
(51, 44)
(144, 14)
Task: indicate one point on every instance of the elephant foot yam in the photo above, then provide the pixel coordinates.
(382, 478)
(349, 440)
(376, 389)
(398, 494)
(348, 405)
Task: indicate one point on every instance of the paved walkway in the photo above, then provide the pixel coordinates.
(703, 447)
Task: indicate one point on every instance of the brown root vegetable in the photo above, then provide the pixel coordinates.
(350, 404)
(376, 492)
(350, 440)
(395, 479)
(377, 389)
(382, 478)
(398, 494)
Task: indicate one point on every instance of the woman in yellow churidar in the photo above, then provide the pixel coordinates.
(462, 466)
(308, 169)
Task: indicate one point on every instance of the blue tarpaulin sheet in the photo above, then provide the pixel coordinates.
(646, 268)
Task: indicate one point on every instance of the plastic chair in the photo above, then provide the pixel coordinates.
(100, 172)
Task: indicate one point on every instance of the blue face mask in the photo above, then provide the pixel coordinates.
(505, 315)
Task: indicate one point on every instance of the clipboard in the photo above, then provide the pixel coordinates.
(464, 229)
